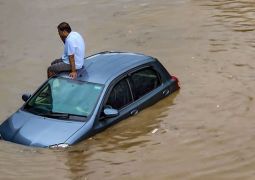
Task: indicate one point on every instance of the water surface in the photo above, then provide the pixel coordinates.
(205, 131)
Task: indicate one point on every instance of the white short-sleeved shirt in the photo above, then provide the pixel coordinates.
(74, 45)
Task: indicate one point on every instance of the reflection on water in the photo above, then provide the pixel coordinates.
(206, 131)
(125, 138)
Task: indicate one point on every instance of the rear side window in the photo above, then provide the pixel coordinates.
(120, 95)
(144, 81)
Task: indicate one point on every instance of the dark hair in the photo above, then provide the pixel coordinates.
(64, 27)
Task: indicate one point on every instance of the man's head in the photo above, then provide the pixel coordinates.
(63, 30)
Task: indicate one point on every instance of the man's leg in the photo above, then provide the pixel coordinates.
(56, 61)
(58, 67)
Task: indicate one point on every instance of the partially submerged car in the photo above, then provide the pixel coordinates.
(109, 88)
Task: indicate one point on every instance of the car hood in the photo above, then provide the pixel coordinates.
(29, 129)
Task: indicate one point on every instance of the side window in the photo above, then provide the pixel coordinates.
(44, 98)
(144, 81)
(120, 95)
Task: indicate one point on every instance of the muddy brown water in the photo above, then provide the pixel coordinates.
(205, 131)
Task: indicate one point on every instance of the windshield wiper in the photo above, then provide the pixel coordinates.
(61, 115)
(55, 115)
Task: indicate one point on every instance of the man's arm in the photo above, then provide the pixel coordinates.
(73, 73)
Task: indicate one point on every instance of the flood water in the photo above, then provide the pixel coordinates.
(205, 131)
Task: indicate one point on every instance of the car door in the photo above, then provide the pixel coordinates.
(139, 89)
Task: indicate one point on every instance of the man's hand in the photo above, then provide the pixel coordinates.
(73, 75)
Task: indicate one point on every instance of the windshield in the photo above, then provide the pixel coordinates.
(61, 97)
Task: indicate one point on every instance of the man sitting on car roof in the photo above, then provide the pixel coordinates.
(74, 52)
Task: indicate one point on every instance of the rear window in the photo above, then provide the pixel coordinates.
(143, 82)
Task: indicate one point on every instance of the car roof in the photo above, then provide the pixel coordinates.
(101, 67)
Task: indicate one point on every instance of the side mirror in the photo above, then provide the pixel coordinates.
(25, 97)
(108, 112)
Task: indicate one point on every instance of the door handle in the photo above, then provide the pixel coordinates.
(134, 112)
(166, 92)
